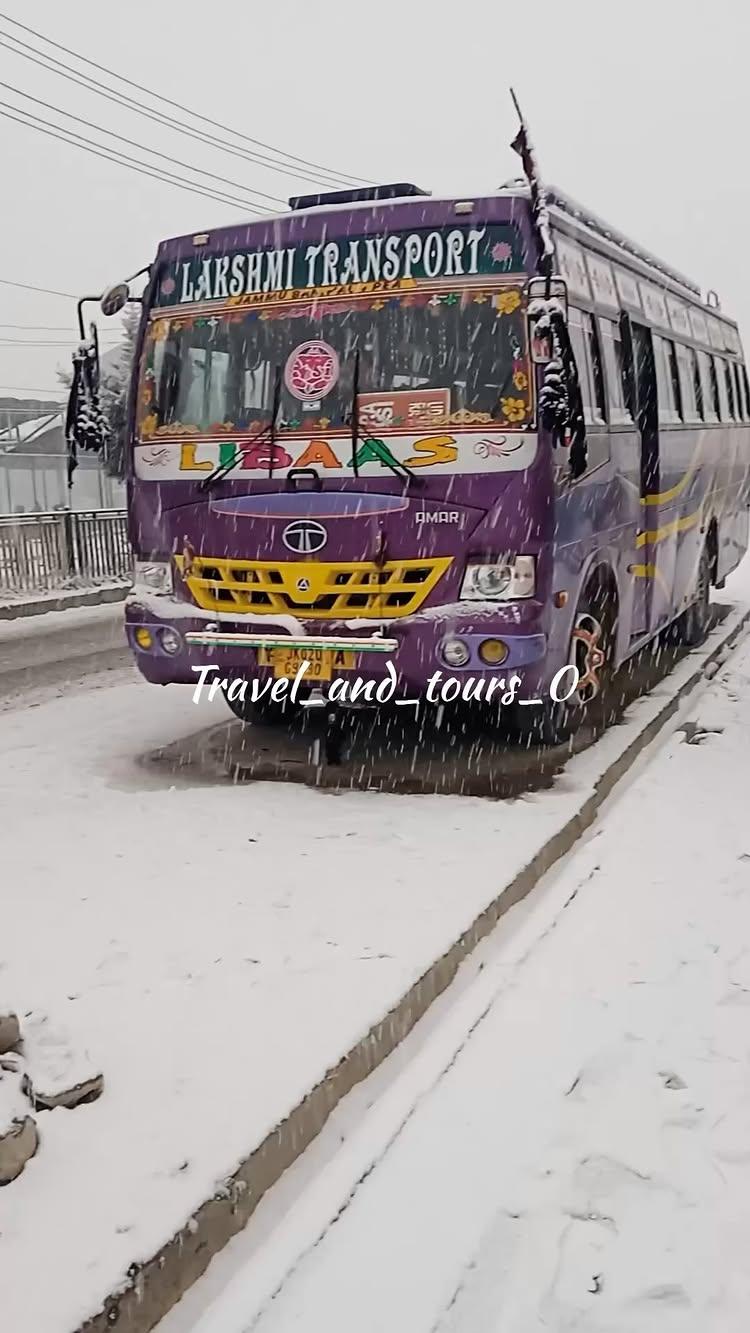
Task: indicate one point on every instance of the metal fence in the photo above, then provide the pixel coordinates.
(41, 551)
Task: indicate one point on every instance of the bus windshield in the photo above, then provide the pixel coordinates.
(425, 358)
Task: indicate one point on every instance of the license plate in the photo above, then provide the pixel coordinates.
(286, 662)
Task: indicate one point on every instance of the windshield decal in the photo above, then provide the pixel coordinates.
(311, 371)
(434, 455)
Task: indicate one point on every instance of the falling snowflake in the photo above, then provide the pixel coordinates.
(501, 252)
(168, 286)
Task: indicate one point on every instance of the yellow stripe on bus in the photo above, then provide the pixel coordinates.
(664, 496)
(677, 525)
(650, 572)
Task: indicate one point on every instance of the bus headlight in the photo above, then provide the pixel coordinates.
(505, 581)
(153, 575)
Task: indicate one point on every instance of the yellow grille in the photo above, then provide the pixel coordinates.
(313, 590)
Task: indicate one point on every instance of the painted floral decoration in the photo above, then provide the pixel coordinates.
(507, 302)
(514, 409)
(501, 252)
(520, 381)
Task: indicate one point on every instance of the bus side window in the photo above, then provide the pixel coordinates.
(578, 342)
(730, 390)
(667, 381)
(598, 404)
(710, 387)
(721, 383)
(746, 388)
(615, 372)
(741, 411)
(689, 383)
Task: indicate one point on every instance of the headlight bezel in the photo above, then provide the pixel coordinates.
(515, 576)
(154, 576)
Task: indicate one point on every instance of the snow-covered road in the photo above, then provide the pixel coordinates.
(217, 949)
(570, 1149)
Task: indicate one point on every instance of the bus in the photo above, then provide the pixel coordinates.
(368, 435)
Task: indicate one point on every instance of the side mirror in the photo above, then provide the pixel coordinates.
(545, 296)
(114, 298)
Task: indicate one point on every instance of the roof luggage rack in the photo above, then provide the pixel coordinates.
(556, 199)
(369, 194)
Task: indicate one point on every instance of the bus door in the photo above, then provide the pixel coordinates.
(645, 412)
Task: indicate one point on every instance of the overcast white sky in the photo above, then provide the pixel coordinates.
(640, 109)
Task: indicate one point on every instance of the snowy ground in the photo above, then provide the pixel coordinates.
(216, 949)
(570, 1148)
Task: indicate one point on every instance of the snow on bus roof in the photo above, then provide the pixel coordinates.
(561, 205)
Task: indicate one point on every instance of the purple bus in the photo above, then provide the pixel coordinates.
(368, 436)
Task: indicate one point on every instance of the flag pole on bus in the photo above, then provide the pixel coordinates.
(524, 147)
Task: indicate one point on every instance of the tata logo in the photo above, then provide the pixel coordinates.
(304, 537)
(438, 516)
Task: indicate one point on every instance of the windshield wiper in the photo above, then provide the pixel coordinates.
(224, 469)
(386, 457)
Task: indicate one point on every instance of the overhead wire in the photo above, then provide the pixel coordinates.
(133, 143)
(122, 159)
(84, 80)
(44, 328)
(28, 287)
(346, 178)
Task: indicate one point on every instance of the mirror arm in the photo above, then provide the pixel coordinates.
(79, 308)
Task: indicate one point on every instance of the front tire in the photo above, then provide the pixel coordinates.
(592, 644)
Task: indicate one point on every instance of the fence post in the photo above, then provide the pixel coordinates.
(69, 542)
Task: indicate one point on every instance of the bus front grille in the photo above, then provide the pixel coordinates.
(311, 589)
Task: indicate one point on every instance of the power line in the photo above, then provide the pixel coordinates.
(22, 388)
(345, 178)
(58, 342)
(122, 160)
(274, 199)
(159, 117)
(45, 328)
(27, 287)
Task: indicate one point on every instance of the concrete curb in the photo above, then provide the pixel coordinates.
(64, 601)
(155, 1286)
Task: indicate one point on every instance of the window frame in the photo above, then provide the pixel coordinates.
(690, 384)
(739, 394)
(719, 363)
(667, 381)
(710, 387)
(581, 351)
(615, 386)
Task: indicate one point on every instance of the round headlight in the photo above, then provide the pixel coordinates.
(455, 652)
(170, 641)
(491, 580)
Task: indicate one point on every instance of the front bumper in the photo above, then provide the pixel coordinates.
(411, 644)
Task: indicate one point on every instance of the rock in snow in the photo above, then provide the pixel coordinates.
(56, 1073)
(18, 1133)
(9, 1031)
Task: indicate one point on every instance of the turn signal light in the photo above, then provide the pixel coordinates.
(143, 637)
(493, 651)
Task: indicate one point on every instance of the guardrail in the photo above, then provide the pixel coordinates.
(42, 551)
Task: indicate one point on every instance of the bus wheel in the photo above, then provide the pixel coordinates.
(268, 712)
(554, 722)
(692, 626)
